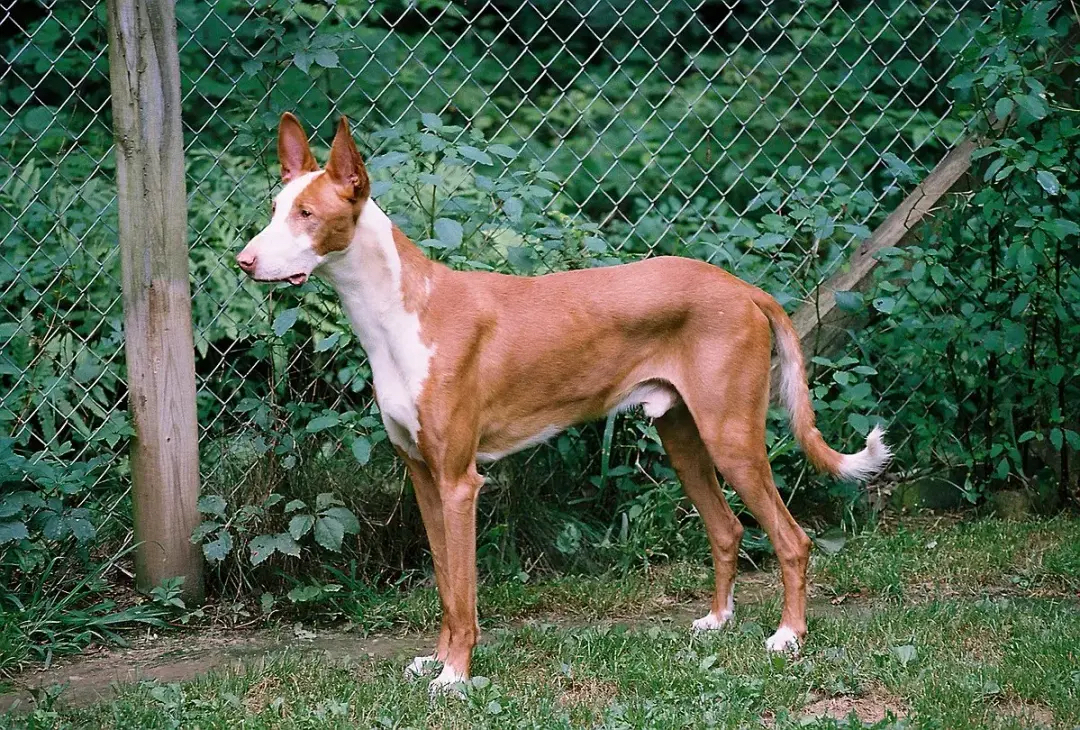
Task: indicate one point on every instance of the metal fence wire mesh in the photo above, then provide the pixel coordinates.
(766, 137)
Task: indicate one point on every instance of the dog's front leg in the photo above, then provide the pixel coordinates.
(458, 493)
(427, 497)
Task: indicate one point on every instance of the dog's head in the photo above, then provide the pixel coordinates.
(315, 214)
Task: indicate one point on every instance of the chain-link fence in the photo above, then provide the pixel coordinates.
(767, 137)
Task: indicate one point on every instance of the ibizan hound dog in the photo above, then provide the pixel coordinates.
(471, 366)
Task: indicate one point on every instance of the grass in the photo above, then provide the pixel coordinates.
(963, 558)
(946, 625)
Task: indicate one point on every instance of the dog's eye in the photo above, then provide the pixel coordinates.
(305, 213)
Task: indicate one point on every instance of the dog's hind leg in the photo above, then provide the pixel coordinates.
(729, 400)
(696, 471)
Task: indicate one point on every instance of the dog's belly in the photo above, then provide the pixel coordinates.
(496, 446)
(655, 397)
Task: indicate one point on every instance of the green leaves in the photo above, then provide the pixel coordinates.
(860, 423)
(300, 525)
(329, 419)
(218, 549)
(1032, 105)
(507, 153)
(212, 504)
(327, 342)
(449, 232)
(348, 520)
(522, 258)
(387, 160)
(332, 526)
(898, 168)
(431, 121)
(284, 321)
(326, 58)
(323, 57)
(329, 532)
(326, 527)
(361, 450)
(885, 305)
(1048, 182)
(849, 301)
(1003, 107)
(476, 155)
(13, 530)
(264, 546)
(831, 542)
(514, 208)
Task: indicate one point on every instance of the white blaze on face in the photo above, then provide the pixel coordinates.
(279, 253)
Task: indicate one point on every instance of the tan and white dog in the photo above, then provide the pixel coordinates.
(471, 366)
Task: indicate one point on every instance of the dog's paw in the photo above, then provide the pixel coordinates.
(450, 682)
(784, 641)
(421, 666)
(712, 621)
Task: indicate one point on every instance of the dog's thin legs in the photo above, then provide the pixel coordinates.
(729, 405)
(740, 456)
(427, 497)
(458, 497)
(696, 471)
(747, 470)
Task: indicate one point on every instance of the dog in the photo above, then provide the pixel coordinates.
(471, 366)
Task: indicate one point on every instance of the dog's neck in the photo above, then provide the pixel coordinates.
(384, 281)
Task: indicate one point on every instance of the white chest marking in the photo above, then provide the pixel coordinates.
(367, 277)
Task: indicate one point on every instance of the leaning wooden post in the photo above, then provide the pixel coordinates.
(821, 318)
(144, 72)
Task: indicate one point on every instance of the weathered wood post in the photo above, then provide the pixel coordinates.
(144, 72)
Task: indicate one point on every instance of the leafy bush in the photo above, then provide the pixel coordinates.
(979, 318)
(327, 526)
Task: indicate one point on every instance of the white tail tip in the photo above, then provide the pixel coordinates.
(869, 462)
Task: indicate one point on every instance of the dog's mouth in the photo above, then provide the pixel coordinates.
(295, 279)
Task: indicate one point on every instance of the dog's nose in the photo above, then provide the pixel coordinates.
(246, 261)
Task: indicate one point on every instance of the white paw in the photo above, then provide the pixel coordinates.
(784, 640)
(421, 666)
(449, 682)
(712, 621)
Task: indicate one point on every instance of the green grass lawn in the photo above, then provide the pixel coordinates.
(938, 625)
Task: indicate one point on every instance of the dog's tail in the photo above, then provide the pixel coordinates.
(795, 394)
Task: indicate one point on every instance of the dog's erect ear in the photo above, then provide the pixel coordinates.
(293, 150)
(345, 167)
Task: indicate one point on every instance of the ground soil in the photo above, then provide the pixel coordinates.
(82, 680)
(85, 680)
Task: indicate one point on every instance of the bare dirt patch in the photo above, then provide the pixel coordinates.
(180, 658)
(593, 694)
(1031, 714)
(872, 708)
(261, 694)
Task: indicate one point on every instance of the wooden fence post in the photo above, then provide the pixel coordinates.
(144, 72)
